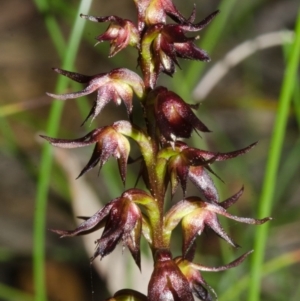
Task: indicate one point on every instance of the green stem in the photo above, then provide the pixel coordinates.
(46, 160)
(269, 184)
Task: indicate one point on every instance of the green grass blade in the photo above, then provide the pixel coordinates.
(11, 294)
(46, 160)
(277, 139)
(52, 26)
(272, 266)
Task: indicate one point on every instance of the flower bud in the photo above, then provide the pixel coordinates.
(174, 118)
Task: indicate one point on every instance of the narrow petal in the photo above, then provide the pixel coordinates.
(201, 24)
(122, 163)
(107, 243)
(246, 220)
(94, 160)
(172, 11)
(230, 265)
(90, 224)
(206, 21)
(88, 139)
(213, 223)
(84, 92)
(80, 78)
(232, 200)
(225, 156)
(103, 98)
(182, 172)
(200, 177)
(133, 243)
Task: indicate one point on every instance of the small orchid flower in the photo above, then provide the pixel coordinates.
(109, 142)
(120, 33)
(184, 162)
(162, 44)
(197, 284)
(196, 214)
(117, 85)
(123, 222)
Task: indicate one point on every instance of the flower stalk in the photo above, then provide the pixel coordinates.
(164, 156)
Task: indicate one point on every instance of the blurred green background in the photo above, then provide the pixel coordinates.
(249, 103)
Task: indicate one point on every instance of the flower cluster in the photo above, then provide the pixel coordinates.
(165, 158)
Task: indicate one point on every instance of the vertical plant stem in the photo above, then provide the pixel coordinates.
(46, 160)
(277, 139)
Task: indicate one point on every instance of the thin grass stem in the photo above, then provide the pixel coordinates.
(52, 26)
(46, 160)
(269, 183)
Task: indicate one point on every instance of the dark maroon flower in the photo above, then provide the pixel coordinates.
(196, 214)
(117, 85)
(174, 118)
(167, 282)
(162, 44)
(120, 33)
(108, 143)
(123, 222)
(197, 284)
(184, 162)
